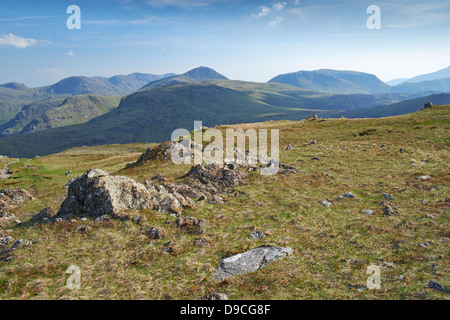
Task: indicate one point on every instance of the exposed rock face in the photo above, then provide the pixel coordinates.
(46, 213)
(250, 261)
(96, 193)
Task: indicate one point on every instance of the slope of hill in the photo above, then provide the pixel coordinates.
(432, 86)
(74, 110)
(117, 85)
(57, 112)
(397, 81)
(334, 81)
(152, 115)
(399, 108)
(153, 256)
(444, 73)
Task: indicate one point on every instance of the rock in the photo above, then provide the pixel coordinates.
(383, 146)
(424, 244)
(215, 296)
(387, 196)
(436, 286)
(326, 203)
(5, 210)
(201, 242)
(428, 105)
(192, 225)
(367, 212)
(216, 200)
(69, 182)
(102, 218)
(401, 150)
(289, 147)
(47, 213)
(96, 193)
(155, 233)
(82, 229)
(430, 216)
(315, 158)
(18, 244)
(68, 173)
(426, 177)
(312, 142)
(348, 195)
(15, 196)
(5, 241)
(388, 210)
(250, 261)
(257, 235)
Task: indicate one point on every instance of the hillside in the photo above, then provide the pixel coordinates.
(440, 74)
(334, 81)
(151, 254)
(152, 115)
(431, 86)
(395, 109)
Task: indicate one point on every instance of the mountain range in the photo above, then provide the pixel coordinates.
(80, 111)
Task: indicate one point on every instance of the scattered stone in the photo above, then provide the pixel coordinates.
(424, 244)
(388, 210)
(430, 216)
(401, 150)
(250, 261)
(348, 195)
(5, 241)
(428, 105)
(15, 196)
(289, 147)
(426, 177)
(102, 218)
(367, 212)
(436, 286)
(192, 225)
(387, 196)
(257, 235)
(155, 233)
(82, 229)
(68, 173)
(383, 146)
(215, 296)
(326, 203)
(201, 242)
(312, 142)
(315, 158)
(216, 200)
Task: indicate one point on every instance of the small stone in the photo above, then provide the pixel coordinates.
(436, 286)
(388, 211)
(315, 158)
(82, 229)
(326, 203)
(257, 235)
(289, 147)
(426, 177)
(215, 296)
(424, 244)
(367, 212)
(201, 242)
(387, 196)
(430, 216)
(155, 233)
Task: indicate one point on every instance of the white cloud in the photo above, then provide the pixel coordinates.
(297, 2)
(19, 42)
(279, 6)
(263, 11)
(278, 20)
(71, 53)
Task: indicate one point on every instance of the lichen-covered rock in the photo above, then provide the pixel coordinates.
(96, 193)
(250, 261)
(15, 196)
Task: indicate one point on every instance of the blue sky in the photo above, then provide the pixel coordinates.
(244, 40)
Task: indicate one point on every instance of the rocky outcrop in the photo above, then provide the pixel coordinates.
(250, 261)
(97, 193)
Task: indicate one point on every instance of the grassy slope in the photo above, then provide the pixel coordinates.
(332, 246)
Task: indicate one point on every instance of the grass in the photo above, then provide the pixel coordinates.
(332, 246)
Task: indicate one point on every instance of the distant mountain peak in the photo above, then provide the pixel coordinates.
(14, 86)
(204, 73)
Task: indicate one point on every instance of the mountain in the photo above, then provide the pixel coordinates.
(397, 81)
(334, 81)
(152, 115)
(444, 73)
(399, 108)
(204, 73)
(57, 112)
(14, 86)
(431, 86)
(117, 85)
(194, 75)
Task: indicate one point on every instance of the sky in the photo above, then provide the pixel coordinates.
(243, 40)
